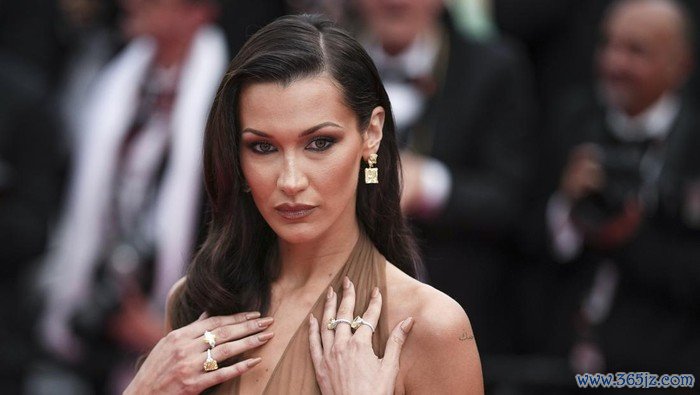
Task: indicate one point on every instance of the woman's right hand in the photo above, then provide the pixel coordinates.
(176, 363)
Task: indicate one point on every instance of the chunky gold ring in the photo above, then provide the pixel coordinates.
(210, 339)
(333, 323)
(210, 364)
(360, 321)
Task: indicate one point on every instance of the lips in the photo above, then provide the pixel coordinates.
(294, 211)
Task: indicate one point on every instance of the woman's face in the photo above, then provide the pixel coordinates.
(300, 153)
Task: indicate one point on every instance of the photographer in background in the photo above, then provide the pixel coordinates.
(625, 219)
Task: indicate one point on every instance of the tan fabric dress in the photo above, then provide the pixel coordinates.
(294, 373)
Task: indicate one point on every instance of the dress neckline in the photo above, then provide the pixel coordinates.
(361, 240)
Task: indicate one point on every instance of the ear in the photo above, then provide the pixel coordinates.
(373, 135)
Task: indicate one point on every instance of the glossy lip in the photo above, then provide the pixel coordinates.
(294, 211)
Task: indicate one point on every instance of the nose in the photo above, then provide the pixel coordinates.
(292, 179)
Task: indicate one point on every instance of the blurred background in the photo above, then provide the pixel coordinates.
(550, 156)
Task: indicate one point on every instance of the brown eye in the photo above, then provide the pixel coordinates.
(320, 144)
(262, 147)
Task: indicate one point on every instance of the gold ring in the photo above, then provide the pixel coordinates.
(333, 323)
(210, 364)
(360, 321)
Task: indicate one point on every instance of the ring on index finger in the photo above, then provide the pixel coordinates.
(333, 323)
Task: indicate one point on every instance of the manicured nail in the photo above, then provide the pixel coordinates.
(329, 294)
(250, 316)
(263, 322)
(346, 282)
(253, 362)
(203, 316)
(265, 336)
(375, 292)
(407, 324)
(311, 319)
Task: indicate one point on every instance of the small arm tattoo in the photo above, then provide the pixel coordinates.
(466, 336)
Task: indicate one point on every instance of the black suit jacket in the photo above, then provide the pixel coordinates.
(479, 122)
(31, 169)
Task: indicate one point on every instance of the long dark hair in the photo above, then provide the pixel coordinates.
(233, 270)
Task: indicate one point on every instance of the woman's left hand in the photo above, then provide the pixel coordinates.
(345, 362)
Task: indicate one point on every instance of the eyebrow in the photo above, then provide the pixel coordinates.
(302, 134)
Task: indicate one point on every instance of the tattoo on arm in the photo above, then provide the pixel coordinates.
(466, 336)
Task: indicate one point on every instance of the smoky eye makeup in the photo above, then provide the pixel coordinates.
(316, 141)
(261, 146)
(321, 143)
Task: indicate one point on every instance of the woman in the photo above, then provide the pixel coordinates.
(303, 219)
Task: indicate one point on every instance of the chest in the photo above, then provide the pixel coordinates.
(288, 319)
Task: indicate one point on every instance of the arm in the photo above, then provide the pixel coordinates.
(441, 356)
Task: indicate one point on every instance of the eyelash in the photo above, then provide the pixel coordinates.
(269, 148)
(329, 141)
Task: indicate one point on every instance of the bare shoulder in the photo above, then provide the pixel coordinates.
(440, 352)
(434, 309)
(174, 291)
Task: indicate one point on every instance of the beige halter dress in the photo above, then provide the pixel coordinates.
(294, 373)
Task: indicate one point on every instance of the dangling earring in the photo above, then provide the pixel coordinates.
(246, 187)
(371, 172)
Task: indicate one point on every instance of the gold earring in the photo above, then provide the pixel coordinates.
(371, 172)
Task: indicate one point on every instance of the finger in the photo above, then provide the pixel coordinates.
(210, 379)
(329, 311)
(315, 342)
(396, 341)
(371, 315)
(346, 309)
(242, 329)
(197, 328)
(228, 350)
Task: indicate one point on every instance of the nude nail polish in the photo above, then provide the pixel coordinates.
(253, 362)
(254, 314)
(265, 336)
(407, 324)
(263, 322)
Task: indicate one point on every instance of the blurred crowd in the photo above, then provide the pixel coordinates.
(549, 171)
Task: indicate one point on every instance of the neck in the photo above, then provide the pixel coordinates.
(304, 265)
